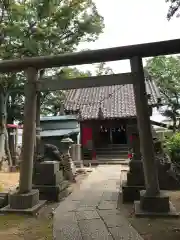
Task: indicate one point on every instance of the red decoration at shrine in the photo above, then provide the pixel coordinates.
(93, 155)
(14, 126)
(132, 137)
(129, 155)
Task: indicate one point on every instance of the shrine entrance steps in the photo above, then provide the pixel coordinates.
(112, 154)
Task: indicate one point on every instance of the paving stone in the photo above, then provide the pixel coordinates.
(107, 205)
(85, 208)
(64, 219)
(110, 196)
(105, 212)
(90, 198)
(66, 206)
(65, 226)
(112, 218)
(68, 232)
(125, 233)
(87, 215)
(90, 203)
(94, 229)
(79, 195)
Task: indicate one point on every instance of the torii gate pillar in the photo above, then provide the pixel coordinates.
(152, 201)
(26, 199)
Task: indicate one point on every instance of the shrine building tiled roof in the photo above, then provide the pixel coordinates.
(115, 101)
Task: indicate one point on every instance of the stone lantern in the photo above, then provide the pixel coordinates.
(69, 167)
(66, 144)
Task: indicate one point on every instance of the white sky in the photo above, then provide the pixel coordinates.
(131, 22)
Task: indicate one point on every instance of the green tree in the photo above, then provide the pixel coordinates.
(102, 69)
(166, 72)
(172, 145)
(36, 28)
(174, 6)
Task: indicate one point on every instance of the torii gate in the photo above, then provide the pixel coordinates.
(135, 53)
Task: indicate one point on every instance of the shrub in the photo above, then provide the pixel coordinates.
(173, 147)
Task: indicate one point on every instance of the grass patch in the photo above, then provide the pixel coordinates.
(11, 221)
(23, 227)
(42, 230)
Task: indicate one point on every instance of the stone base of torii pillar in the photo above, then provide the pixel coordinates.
(153, 202)
(154, 206)
(25, 199)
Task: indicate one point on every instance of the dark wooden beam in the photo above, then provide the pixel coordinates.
(49, 84)
(93, 56)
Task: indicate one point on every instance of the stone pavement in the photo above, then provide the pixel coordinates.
(91, 211)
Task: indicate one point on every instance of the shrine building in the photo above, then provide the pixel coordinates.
(107, 117)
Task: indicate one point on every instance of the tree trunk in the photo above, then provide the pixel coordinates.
(4, 143)
(11, 138)
(11, 141)
(8, 152)
(2, 124)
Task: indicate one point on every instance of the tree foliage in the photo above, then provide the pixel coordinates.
(37, 28)
(166, 72)
(42, 27)
(102, 69)
(173, 147)
(174, 6)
